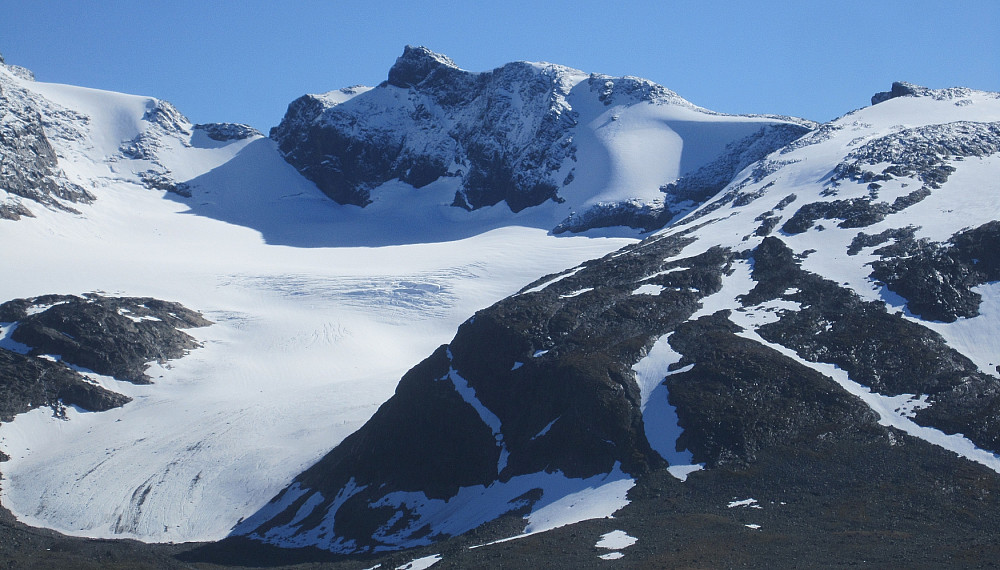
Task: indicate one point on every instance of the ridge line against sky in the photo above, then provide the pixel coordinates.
(245, 61)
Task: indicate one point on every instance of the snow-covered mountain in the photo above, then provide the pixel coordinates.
(594, 150)
(122, 196)
(809, 336)
(843, 287)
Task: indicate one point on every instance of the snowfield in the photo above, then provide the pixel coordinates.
(318, 309)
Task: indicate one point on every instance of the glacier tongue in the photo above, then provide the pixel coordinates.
(309, 337)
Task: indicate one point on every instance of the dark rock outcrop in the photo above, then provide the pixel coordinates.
(899, 89)
(228, 131)
(28, 382)
(114, 336)
(741, 398)
(416, 65)
(47, 340)
(937, 279)
(884, 351)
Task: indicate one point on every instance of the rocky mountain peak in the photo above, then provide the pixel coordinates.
(899, 89)
(507, 136)
(417, 64)
(17, 70)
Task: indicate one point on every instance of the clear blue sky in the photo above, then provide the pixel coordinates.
(244, 61)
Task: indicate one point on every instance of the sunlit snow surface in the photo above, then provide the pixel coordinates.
(615, 540)
(318, 309)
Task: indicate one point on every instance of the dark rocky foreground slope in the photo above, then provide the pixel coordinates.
(543, 382)
(831, 485)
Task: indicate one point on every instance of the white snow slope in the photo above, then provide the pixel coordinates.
(314, 325)
(969, 198)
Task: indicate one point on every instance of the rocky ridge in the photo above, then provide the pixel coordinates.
(29, 169)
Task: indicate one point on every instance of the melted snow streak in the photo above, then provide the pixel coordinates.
(658, 416)
(290, 534)
(468, 394)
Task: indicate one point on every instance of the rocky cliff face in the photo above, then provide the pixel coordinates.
(29, 169)
(503, 132)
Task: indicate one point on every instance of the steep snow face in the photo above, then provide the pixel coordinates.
(831, 292)
(525, 135)
(318, 309)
